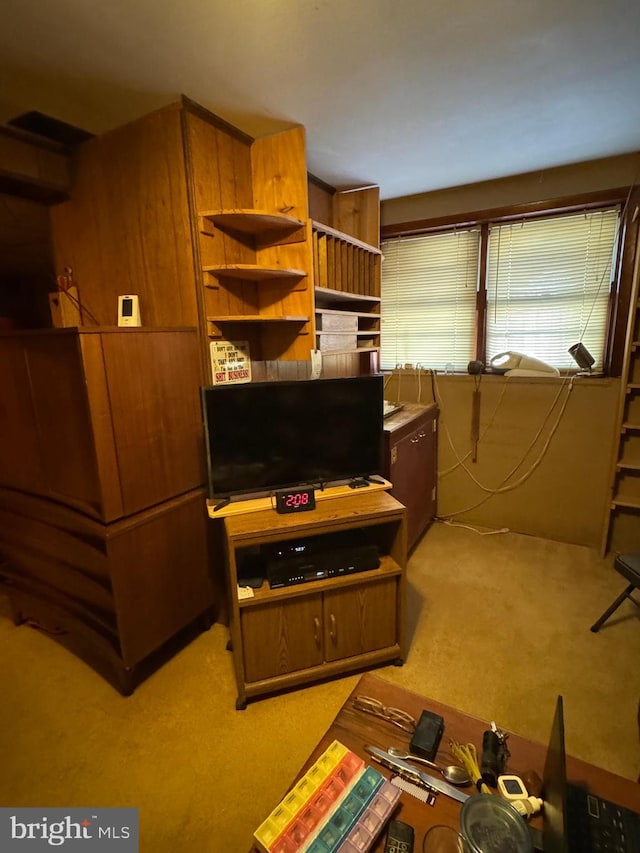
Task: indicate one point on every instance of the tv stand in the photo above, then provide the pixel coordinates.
(295, 635)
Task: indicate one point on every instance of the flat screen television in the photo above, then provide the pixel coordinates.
(263, 436)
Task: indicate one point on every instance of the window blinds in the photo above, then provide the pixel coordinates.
(428, 311)
(548, 283)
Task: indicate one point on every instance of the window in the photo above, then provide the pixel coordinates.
(429, 287)
(545, 286)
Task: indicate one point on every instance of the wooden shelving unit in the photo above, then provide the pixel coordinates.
(290, 636)
(347, 295)
(254, 250)
(622, 522)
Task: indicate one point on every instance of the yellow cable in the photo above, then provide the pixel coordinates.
(467, 755)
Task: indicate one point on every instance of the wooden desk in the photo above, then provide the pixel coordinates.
(355, 729)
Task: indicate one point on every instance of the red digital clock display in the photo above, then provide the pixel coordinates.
(295, 500)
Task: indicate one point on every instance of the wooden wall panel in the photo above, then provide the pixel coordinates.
(126, 228)
(357, 213)
(155, 414)
(279, 173)
(564, 498)
(320, 202)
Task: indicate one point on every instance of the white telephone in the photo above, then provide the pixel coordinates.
(517, 364)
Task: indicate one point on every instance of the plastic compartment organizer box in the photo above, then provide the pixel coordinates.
(338, 806)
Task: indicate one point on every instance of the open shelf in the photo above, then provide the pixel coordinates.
(337, 312)
(328, 293)
(327, 231)
(388, 568)
(355, 350)
(255, 318)
(246, 221)
(252, 272)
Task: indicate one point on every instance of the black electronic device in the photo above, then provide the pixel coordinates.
(427, 735)
(266, 436)
(491, 765)
(575, 820)
(400, 837)
(296, 500)
(316, 557)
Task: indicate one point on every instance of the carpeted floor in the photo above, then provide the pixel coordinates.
(498, 625)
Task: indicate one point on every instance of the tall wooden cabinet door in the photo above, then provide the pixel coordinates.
(360, 619)
(413, 474)
(282, 637)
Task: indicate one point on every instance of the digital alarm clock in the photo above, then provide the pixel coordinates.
(295, 500)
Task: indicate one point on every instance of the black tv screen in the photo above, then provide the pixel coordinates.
(263, 436)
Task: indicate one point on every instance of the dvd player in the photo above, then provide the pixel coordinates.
(301, 561)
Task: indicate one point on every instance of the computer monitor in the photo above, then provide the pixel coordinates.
(554, 782)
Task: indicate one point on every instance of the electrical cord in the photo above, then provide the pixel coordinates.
(473, 529)
(502, 488)
(467, 755)
(436, 396)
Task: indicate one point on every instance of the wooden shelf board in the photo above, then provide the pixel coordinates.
(626, 426)
(628, 466)
(255, 318)
(366, 315)
(327, 231)
(388, 567)
(363, 333)
(254, 272)
(344, 295)
(239, 507)
(254, 222)
(626, 502)
(326, 352)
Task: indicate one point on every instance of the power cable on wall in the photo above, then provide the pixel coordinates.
(503, 487)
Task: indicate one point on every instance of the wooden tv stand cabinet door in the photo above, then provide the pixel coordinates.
(290, 636)
(411, 457)
(295, 637)
(359, 620)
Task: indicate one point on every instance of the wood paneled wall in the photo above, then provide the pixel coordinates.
(564, 498)
(127, 227)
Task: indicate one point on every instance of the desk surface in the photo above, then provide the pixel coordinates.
(355, 729)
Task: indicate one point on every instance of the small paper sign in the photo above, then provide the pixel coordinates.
(230, 362)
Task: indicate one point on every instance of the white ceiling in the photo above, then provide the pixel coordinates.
(412, 95)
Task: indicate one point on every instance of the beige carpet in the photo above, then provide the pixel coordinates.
(498, 626)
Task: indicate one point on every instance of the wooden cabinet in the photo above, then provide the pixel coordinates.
(103, 527)
(107, 421)
(114, 594)
(290, 636)
(215, 229)
(411, 457)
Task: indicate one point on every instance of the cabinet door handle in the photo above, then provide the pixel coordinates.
(316, 630)
(333, 633)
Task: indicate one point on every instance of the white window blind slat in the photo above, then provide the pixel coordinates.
(548, 285)
(428, 313)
